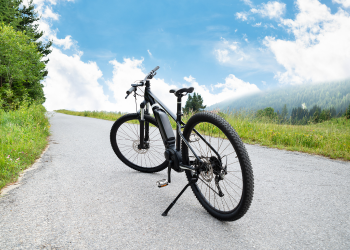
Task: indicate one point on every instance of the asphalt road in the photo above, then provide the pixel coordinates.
(80, 196)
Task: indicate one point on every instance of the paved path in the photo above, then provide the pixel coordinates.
(82, 197)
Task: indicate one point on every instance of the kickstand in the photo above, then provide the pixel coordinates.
(193, 180)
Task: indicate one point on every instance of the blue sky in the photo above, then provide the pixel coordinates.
(225, 49)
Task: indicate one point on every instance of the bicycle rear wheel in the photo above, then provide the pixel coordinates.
(125, 139)
(225, 188)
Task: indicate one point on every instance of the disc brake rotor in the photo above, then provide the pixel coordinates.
(135, 146)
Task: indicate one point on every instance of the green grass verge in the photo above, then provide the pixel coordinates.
(330, 138)
(23, 137)
(94, 114)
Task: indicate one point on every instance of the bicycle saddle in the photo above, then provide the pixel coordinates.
(180, 91)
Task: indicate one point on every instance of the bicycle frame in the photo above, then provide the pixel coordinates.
(150, 98)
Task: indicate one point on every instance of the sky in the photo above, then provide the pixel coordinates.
(224, 49)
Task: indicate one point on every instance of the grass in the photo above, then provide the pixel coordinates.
(330, 138)
(112, 116)
(23, 137)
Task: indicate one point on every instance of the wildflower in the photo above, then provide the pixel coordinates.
(17, 159)
(8, 156)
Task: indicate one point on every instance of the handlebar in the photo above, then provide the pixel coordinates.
(149, 76)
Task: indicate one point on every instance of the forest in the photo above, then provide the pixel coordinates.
(330, 95)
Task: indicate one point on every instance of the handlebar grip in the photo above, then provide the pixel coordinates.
(130, 90)
(155, 69)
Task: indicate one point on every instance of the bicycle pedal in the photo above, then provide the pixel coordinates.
(162, 183)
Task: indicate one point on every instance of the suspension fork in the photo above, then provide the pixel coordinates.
(147, 123)
(144, 126)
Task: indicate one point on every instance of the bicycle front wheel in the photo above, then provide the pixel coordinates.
(225, 186)
(125, 141)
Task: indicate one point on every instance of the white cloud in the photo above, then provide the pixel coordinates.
(72, 84)
(125, 73)
(44, 9)
(222, 55)
(231, 89)
(248, 2)
(49, 14)
(270, 9)
(66, 43)
(257, 25)
(233, 53)
(345, 3)
(241, 15)
(321, 49)
(149, 52)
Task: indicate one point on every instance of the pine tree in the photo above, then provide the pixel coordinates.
(347, 113)
(194, 103)
(284, 112)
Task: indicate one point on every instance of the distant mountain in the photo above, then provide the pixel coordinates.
(325, 95)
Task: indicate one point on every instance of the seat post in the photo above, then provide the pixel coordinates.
(178, 119)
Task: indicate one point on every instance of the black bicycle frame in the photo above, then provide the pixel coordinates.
(150, 98)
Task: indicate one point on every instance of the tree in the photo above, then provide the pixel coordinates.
(22, 53)
(24, 18)
(284, 112)
(267, 113)
(28, 24)
(347, 113)
(194, 103)
(20, 68)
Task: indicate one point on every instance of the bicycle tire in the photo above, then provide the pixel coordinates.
(224, 211)
(124, 137)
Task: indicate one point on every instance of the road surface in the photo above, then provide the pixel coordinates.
(81, 196)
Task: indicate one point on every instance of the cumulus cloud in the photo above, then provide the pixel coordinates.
(125, 73)
(248, 2)
(320, 51)
(44, 9)
(231, 89)
(345, 3)
(242, 15)
(129, 70)
(73, 84)
(48, 13)
(270, 9)
(233, 53)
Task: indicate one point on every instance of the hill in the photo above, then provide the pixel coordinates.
(325, 95)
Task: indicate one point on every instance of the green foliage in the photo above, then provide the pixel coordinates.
(24, 18)
(284, 113)
(23, 136)
(268, 113)
(194, 103)
(315, 115)
(21, 69)
(347, 113)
